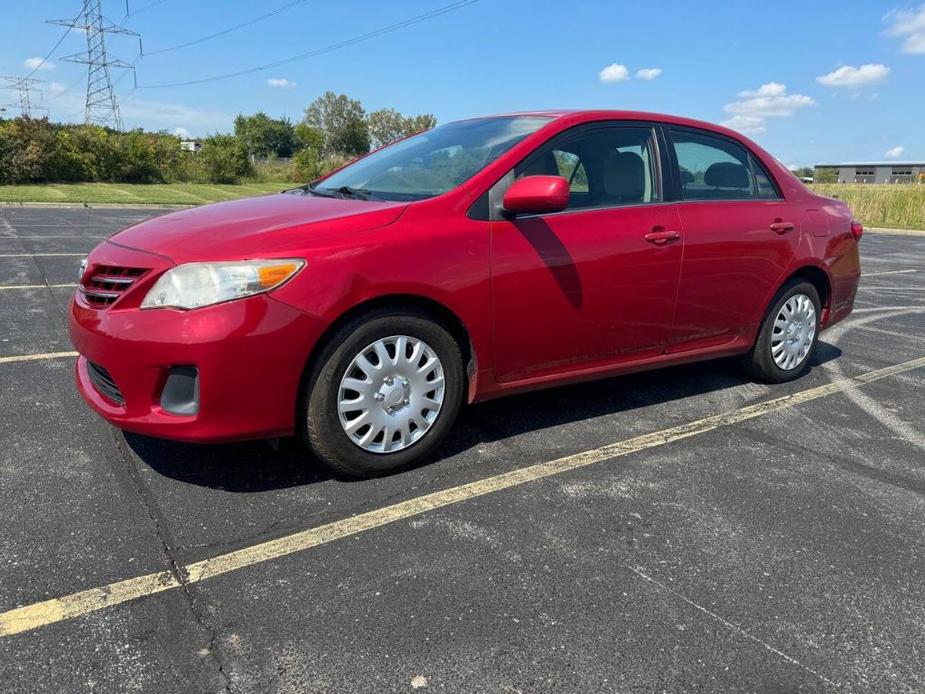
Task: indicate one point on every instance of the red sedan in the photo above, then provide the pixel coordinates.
(483, 257)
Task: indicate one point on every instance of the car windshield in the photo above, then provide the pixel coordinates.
(433, 162)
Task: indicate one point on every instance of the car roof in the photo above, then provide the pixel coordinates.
(581, 115)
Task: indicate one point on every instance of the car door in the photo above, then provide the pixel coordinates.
(740, 235)
(595, 283)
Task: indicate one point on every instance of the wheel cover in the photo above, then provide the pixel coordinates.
(793, 333)
(391, 394)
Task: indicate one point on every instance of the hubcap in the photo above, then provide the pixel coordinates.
(391, 394)
(794, 330)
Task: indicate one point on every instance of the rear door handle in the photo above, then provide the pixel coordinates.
(660, 236)
(780, 227)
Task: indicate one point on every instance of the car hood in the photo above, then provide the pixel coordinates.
(265, 226)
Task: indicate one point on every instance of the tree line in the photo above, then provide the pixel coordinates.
(334, 130)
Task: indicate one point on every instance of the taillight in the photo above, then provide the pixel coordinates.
(857, 229)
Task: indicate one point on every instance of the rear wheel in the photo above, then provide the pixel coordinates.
(788, 335)
(385, 391)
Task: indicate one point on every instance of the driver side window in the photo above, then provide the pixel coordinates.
(605, 166)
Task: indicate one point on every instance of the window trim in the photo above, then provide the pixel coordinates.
(496, 191)
(702, 132)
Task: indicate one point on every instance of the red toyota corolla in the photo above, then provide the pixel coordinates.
(483, 257)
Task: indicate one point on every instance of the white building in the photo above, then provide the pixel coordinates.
(878, 172)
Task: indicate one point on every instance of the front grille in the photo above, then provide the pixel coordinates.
(107, 283)
(103, 382)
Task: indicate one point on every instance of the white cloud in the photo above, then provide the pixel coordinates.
(770, 100)
(754, 106)
(181, 133)
(648, 73)
(56, 87)
(895, 152)
(747, 125)
(36, 63)
(614, 73)
(910, 26)
(281, 82)
(849, 76)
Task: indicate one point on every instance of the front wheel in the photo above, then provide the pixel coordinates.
(385, 392)
(788, 334)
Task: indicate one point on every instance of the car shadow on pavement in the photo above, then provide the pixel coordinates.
(257, 466)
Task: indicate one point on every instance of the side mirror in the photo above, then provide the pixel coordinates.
(536, 194)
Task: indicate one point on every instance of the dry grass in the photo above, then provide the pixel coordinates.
(889, 206)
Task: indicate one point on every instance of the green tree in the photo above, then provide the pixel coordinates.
(826, 175)
(388, 125)
(264, 136)
(341, 122)
(224, 159)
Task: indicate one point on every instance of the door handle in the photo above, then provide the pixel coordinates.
(780, 227)
(660, 236)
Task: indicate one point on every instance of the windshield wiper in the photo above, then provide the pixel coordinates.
(311, 190)
(350, 192)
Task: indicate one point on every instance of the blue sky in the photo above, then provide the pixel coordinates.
(811, 81)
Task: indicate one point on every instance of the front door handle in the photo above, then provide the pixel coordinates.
(780, 227)
(660, 236)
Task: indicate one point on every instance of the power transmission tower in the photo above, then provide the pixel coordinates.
(101, 97)
(26, 87)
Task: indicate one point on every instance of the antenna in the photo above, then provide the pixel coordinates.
(101, 97)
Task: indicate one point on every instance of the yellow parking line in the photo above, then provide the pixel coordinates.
(46, 612)
(37, 357)
(35, 286)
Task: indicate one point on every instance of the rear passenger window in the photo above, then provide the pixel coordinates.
(605, 166)
(712, 168)
(766, 188)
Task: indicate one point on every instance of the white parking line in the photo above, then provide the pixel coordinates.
(35, 286)
(40, 237)
(41, 255)
(37, 357)
(889, 272)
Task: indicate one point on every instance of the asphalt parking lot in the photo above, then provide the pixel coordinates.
(779, 547)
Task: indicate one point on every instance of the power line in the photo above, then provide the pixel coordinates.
(236, 27)
(144, 8)
(327, 49)
(55, 47)
(101, 106)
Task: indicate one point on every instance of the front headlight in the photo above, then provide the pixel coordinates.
(200, 284)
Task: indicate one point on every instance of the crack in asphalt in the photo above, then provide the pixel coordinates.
(176, 568)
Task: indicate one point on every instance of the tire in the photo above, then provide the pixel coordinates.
(420, 424)
(761, 362)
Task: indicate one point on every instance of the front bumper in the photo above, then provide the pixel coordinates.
(249, 354)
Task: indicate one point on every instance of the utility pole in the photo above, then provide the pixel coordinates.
(101, 97)
(26, 87)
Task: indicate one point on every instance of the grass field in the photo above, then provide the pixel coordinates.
(890, 206)
(133, 194)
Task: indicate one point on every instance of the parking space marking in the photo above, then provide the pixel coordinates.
(40, 614)
(37, 357)
(888, 272)
(35, 286)
(40, 238)
(40, 255)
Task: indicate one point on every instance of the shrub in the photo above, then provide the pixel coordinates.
(224, 159)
